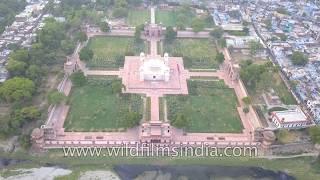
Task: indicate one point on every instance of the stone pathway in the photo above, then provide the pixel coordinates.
(153, 15)
(155, 108)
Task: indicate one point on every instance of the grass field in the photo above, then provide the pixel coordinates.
(209, 107)
(109, 52)
(166, 17)
(196, 53)
(171, 18)
(138, 17)
(94, 107)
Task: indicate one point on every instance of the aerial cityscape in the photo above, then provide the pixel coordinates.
(160, 89)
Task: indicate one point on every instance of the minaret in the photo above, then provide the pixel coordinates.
(166, 59)
(142, 57)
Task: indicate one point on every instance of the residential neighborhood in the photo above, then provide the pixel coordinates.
(22, 32)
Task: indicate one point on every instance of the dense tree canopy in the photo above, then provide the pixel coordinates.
(299, 59)
(217, 32)
(219, 57)
(52, 34)
(78, 79)
(16, 68)
(170, 34)
(16, 89)
(104, 27)
(56, 97)
(8, 10)
(86, 54)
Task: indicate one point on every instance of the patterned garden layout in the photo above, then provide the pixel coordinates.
(200, 102)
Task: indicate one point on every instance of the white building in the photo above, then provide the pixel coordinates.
(290, 118)
(154, 69)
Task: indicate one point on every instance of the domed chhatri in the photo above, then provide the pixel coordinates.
(154, 69)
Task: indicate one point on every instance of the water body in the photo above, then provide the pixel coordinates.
(128, 172)
(4, 162)
(188, 172)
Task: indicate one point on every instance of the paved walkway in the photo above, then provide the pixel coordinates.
(153, 47)
(102, 73)
(191, 34)
(155, 108)
(125, 33)
(153, 15)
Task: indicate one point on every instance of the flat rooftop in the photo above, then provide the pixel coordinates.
(291, 116)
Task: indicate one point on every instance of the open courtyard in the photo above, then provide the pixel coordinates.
(109, 52)
(138, 17)
(210, 107)
(95, 107)
(196, 53)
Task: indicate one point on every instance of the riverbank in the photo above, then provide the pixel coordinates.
(296, 167)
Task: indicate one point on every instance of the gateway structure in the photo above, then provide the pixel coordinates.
(154, 69)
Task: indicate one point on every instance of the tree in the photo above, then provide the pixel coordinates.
(137, 33)
(282, 10)
(245, 23)
(132, 119)
(51, 34)
(283, 37)
(217, 32)
(29, 113)
(25, 141)
(268, 23)
(82, 36)
(26, 114)
(299, 58)
(67, 46)
(246, 110)
(34, 73)
(105, 27)
(56, 97)
(86, 54)
(121, 3)
(16, 89)
(20, 55)
(197, 25)
(246, 30)
(246, 100)
(222, 42)
(16, 68)
(78, 79)
(180, 121)
(255, 46)
(120, 12)
(219, 58)
(116, 87)
(170, 34)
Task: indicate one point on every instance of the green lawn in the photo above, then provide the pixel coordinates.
(138, 17)
(174, 18)
(166, 17)
(209, 107)
(94, 107)
(196, 53)
(109, 52)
